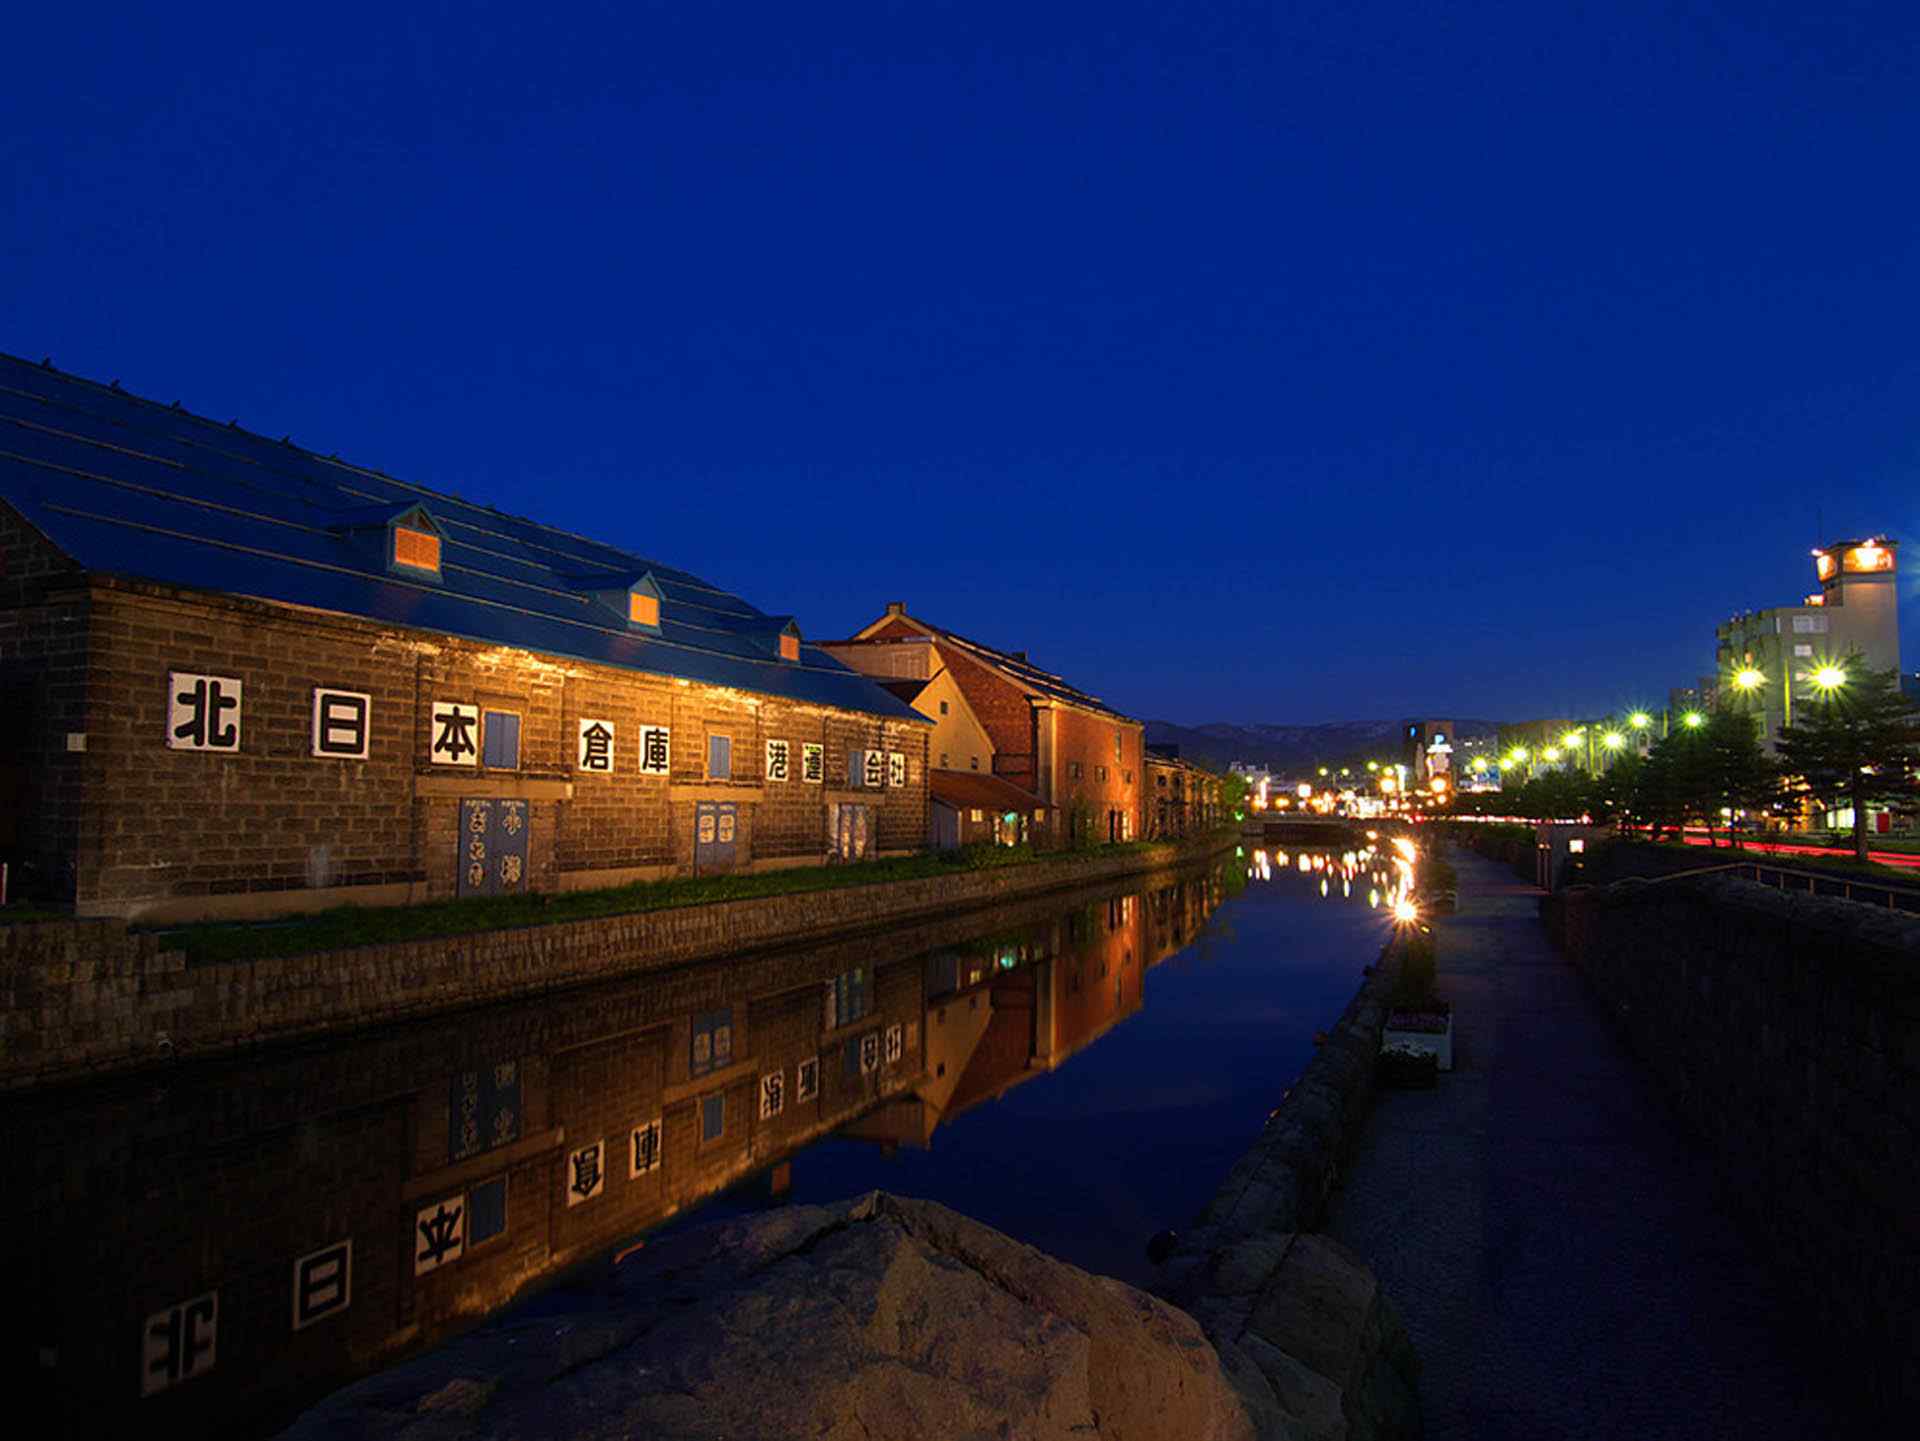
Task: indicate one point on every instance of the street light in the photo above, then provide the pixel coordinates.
(1693, 720)
(1829, 678)
(1613, 740)
(1749, 679)
(1639, 720)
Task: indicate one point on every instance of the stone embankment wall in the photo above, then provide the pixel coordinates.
(81, 997)
(1299, 1321)
(1785, 1031)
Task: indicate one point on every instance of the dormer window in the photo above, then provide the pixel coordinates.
(633, 597)
(416, 549)
(789, 647)
(404, 541)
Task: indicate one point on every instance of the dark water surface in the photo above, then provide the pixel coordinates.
(212, 1246)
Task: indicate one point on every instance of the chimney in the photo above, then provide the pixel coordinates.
(1020, 656)
(896, 607)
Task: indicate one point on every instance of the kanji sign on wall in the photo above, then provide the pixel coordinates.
(813, 763)
(655, 750)
(322, 1283)
(178, 1343)
(777, 761)
(644, 1149)
(896, 768)
(806, 1079)
(586, 1172)
(456, 734)
(773, 1094)
(439, 1234)
(203, 712)
(596, 746)
(342, 723)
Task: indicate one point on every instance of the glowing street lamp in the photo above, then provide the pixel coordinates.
(1693, 720)
(1373, 765)
(1613, 740)
(1639, 720)
(1749, 679)
(1829, 678)
(1550, 754)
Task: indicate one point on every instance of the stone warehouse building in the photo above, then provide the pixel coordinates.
(1079, 759)
(243, 679)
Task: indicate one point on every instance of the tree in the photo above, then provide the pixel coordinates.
(1233, 797)
(1731, 772)
(1856, 744)
(1702, 771)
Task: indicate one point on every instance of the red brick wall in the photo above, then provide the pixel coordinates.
(1004, 713)
(1087, 740)
(166, 824)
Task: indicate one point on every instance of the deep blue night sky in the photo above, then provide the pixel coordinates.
(1287, 363)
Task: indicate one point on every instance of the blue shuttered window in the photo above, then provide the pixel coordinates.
(720, 758)
(486, 1211)
(500, 740)
(713, 1116)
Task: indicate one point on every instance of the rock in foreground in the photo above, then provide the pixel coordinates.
(880, 1317)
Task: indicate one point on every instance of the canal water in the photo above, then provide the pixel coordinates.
(218, 1244)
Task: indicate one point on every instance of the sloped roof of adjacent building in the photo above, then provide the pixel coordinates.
(133, 488)
(971, 789)
(1017, 668)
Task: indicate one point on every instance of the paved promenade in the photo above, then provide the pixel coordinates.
(1551, 1239)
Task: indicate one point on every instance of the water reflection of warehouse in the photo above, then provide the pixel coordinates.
(444, 1167)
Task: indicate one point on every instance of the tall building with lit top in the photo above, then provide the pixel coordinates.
(1772, 660)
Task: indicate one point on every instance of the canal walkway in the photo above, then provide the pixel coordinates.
(1551, 1239)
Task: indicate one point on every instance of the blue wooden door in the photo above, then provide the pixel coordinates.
(492, 856)
(716, 829)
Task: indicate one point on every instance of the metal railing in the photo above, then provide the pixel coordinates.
(1811, 883)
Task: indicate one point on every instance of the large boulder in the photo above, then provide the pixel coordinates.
(879, 1317)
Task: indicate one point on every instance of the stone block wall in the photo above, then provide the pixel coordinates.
(1300, 1322)
(85, 996)
(171, 833)
(43, 627)
(1785, 1032)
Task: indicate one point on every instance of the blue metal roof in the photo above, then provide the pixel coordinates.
(129, 487)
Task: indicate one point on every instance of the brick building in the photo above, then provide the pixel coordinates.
(244, 679)
(1080, 758)
(1182, 799)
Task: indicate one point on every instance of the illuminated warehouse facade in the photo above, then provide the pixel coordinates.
(247, 679)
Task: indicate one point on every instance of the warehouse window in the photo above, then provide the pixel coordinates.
(720, 758)
(711, 1045)
(500, 740)
(713, 1116)
(416, 549)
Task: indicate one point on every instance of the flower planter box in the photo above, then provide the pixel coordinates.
(1427, 1031)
